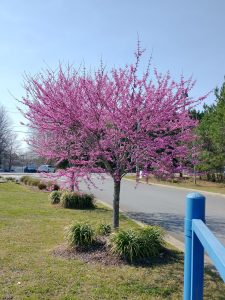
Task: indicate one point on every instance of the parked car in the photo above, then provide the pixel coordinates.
(46, 169)
(30, 169)
(9, 170)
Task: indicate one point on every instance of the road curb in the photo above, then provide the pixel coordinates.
(178, 188)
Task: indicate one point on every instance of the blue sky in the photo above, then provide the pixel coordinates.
(182, 36)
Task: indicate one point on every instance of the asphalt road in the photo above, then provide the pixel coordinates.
(158, 205)
(164, 206)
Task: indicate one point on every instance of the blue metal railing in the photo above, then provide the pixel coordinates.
(197, 239)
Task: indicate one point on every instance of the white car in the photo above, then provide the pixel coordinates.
(46, 169)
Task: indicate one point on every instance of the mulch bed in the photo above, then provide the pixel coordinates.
(98, 252)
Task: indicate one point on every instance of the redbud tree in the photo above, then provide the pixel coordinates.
(110, 122)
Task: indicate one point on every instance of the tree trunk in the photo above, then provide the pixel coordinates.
(10, 161)
(195, 179)
(116, 203)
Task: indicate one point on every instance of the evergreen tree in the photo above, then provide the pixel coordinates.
(212, 134)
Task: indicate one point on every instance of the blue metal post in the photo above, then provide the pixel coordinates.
(197, 273)
(195, 209)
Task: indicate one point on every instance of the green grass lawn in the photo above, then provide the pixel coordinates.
(201, 185)
(30, 228)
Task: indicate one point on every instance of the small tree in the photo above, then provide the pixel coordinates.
(111, 122)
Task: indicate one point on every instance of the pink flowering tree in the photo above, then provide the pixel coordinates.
(110, 122)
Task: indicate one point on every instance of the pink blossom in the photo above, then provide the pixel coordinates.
(111, 122)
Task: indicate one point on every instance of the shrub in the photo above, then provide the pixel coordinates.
(85, 201)
(54, 197)
(126, 244)
(32, 181)
(25, 179)
(28, 180)
(10, 178)
(77, 201)
(151, 239)
(53, 186)
(79, 234)
(35, 182)
(66, 200)
(134, 245)
(56, 187)
(42, 186)
(104, 229)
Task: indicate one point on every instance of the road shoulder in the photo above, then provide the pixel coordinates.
(177, 187)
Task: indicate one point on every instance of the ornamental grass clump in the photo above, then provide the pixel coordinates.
(52, 186)
(34, 181)
(66, 200)
(76, 200)
(151, 240)
(54, 197)
(85, 201)
(133, 245)
(104, 229)
(42, 186)
(25, 179)
(10, 178)
(79, 234)
(126, 244)
(28, 180)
